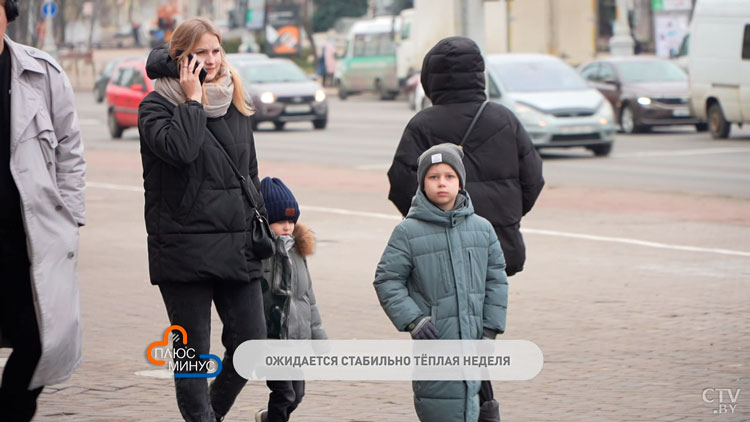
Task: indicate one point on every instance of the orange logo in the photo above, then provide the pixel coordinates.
(165, 342)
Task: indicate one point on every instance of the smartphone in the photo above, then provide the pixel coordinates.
(202, 75)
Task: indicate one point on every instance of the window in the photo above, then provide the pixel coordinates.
(359, 45)
(651, 71)
(126, 75)
(271, 72)
(494, 92)
(116, 77)
(372, 45)
(590, 72)
(387, 46)
(406, 31)
(537, 76)
(606, 72)
(138, 79)
(746, 44)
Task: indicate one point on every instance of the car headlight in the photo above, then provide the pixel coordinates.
(644, 101)
(320, 95)
(267, 98)
(529, 115)
(606, 113)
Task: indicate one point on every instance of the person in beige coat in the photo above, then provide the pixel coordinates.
(41, 208)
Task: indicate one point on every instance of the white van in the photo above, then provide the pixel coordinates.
(719, 63)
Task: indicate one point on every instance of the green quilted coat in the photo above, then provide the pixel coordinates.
(447, 265)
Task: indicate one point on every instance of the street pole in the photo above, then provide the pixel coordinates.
(621, 43)
(472, 21)
(49, 44)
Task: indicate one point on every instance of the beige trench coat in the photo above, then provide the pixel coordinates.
(47, 164)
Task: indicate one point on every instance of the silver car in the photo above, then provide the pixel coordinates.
(554, 103)
(282, 92)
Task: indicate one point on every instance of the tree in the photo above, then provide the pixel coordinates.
(328, 11)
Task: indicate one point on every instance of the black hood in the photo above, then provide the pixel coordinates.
(453, 72)
(161, 65)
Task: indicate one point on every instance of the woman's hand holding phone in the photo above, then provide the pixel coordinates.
(189, 79)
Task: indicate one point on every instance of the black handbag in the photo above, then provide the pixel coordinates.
(264, 245)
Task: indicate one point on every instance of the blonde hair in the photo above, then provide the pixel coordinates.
(187, 35)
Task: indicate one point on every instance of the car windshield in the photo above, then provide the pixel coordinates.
(256, 72)
(537, 76)
(651, 71)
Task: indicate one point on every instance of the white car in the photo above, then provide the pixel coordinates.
(553, 102)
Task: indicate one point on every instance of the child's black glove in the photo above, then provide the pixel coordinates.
(423, 329)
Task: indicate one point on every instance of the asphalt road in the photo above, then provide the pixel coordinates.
(363, 133)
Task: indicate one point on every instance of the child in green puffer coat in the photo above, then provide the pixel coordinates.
(442, 276)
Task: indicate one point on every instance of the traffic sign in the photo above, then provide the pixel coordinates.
(49, 9)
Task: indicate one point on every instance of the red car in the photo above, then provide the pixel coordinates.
(127, 87)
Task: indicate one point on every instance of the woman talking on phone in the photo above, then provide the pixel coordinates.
(197, 150)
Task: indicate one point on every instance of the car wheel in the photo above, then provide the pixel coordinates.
(115, 130)
(627, 120)
(279, 125)
(701, 127)
(342, 93)
(717, 123)
(320, 124)
(601, 150)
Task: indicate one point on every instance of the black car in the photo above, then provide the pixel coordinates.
(282, 92)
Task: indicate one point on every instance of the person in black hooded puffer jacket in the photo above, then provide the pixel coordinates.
(197, 218)
(503, 169)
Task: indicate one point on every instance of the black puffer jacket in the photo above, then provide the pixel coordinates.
(503, 170)
(197, 219)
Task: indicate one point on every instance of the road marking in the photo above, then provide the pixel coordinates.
(681, 153)
(636, 242)
(554, 233)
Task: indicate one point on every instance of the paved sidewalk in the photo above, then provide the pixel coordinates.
(629, 333)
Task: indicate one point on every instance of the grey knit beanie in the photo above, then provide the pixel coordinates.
(447, 153)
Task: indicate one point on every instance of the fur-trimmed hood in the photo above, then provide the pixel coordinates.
(304, 238)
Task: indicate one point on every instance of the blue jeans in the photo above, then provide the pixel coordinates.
(240, 307)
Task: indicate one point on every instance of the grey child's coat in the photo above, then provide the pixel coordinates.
(288, 283)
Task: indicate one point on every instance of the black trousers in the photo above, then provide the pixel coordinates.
(240, 307)
(19, 328)
(485, 392)
(284, 398)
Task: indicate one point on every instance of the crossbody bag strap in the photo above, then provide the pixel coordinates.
(473, 122)
(242, 179)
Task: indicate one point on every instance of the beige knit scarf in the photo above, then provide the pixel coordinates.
(218, 94)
